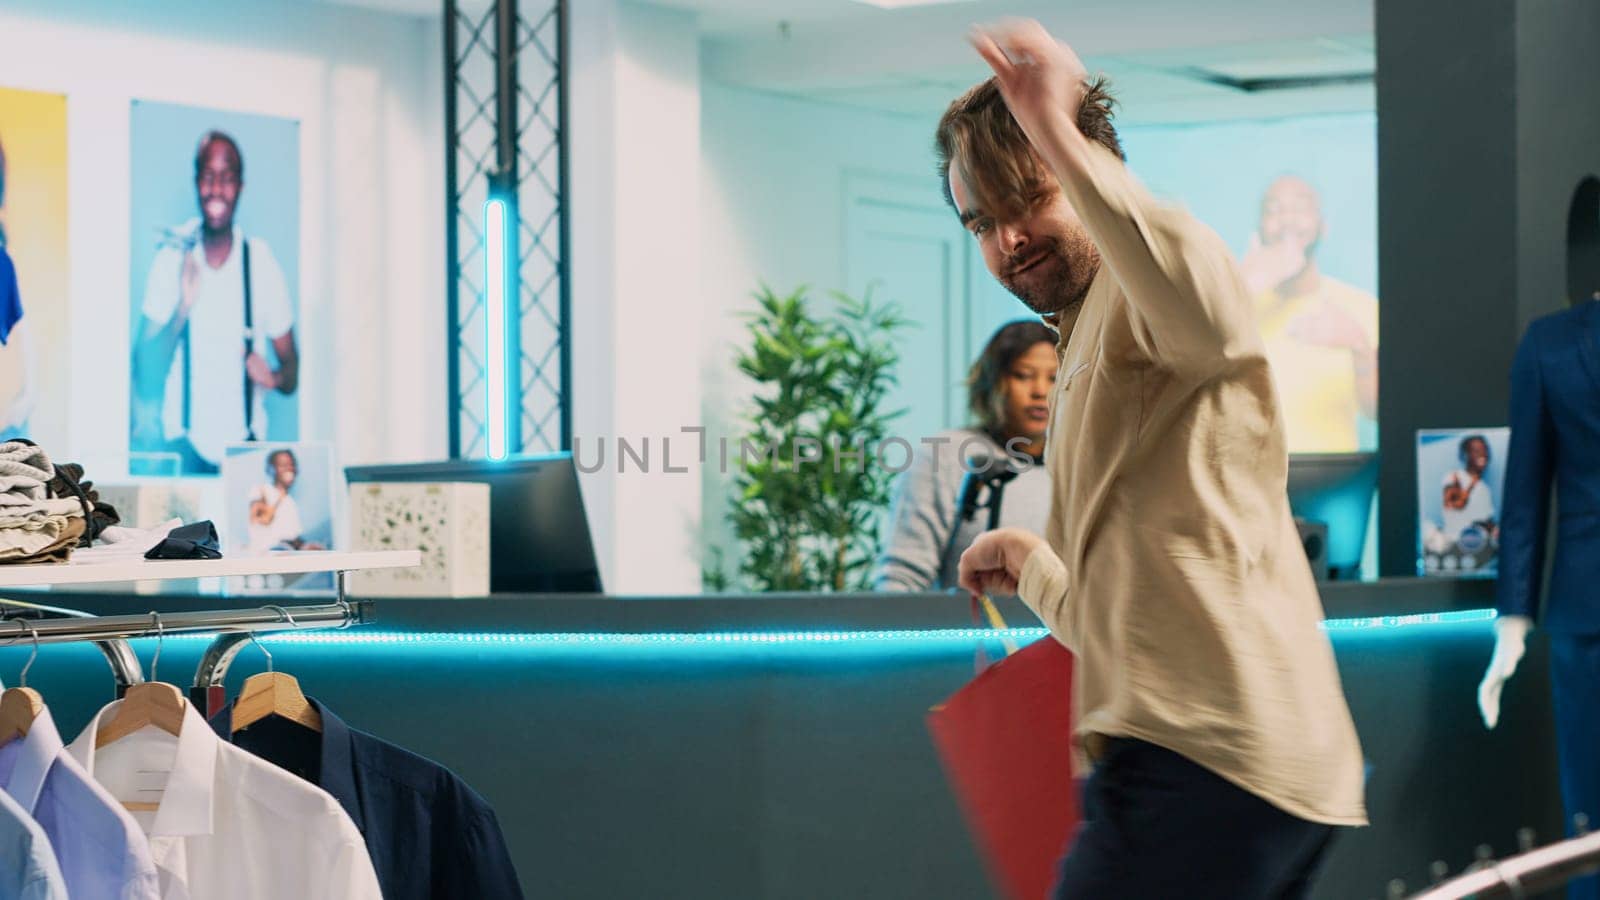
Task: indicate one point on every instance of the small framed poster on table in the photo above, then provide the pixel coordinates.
(279, 496)
(1459, 475)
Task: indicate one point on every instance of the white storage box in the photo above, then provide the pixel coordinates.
(447, 522)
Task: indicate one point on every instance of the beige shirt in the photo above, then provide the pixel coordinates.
(1174, 571)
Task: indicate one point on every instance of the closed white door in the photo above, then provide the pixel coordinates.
(908, 247)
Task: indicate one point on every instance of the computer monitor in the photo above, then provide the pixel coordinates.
(1336, 489)
(538, 532)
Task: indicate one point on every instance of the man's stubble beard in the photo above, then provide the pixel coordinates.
(1065, 293)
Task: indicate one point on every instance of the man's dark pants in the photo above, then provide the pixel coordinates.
(1157, 825)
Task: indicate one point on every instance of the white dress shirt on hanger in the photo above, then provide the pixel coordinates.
(229, 824)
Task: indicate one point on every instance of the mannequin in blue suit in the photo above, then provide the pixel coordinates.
(1555, 440)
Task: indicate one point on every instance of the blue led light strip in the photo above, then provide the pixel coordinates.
(925, 637)
(1370, 623)
(658, 639)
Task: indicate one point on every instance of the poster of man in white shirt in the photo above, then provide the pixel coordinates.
(215, 358)
(1459, 472)
(279, 497)
(274, 514)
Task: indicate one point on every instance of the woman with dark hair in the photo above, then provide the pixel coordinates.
(1008, 393)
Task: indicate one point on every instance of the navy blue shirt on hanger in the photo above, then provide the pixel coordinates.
(429, 835)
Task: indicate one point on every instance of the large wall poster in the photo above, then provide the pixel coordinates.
(1297, 200)
(35, 362)
(214, 288)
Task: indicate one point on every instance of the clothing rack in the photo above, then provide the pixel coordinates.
(111, 634)
(119, 655)
(208, 692)
(1525, 875)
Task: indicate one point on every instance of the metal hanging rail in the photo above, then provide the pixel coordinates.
(111, 633)
(155, 624)
(119, 655)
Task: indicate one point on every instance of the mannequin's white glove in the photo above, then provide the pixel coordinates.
(1510, 642)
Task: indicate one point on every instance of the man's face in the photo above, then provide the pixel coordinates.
(1477, 456)
(218, 185)
(1042, 255)
(284, 466)
(1291, 211)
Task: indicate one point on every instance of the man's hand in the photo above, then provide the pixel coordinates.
(1327, 325)
(262, 512)
(993, 564)
(188, 288)
(260, 371)
(1040, 78)
(1266, 266)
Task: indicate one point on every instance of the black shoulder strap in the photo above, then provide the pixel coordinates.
(247, 319)
(249, 346)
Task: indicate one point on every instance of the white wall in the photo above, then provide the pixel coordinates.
(367, 89)
(773, 187)
(636, 293)
(683, 194)
(773, 208)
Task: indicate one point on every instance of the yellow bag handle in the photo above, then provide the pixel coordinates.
(997, 622)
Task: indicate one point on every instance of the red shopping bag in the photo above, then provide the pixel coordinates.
(1005, 740)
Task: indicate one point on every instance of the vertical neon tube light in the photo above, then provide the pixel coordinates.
(494, 376)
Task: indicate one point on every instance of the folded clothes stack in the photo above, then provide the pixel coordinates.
(34, 526)
(98, 515)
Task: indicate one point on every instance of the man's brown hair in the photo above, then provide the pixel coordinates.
(979, 135)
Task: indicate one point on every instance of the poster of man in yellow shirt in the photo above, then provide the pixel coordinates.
(1297, 200)
(1321, 333)
(35, 362)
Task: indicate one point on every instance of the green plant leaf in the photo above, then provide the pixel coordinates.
(802, 526)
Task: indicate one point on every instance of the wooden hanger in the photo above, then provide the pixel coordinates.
(272, 693)
(146, 703)
(20, 705)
